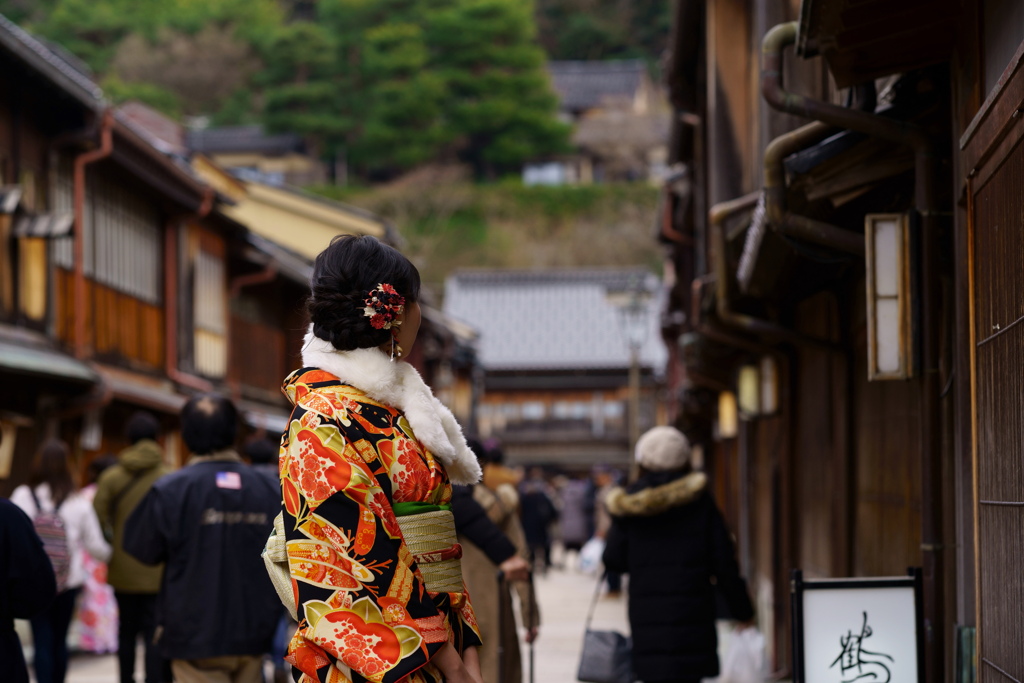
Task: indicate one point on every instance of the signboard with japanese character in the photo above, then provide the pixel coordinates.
(857, 630)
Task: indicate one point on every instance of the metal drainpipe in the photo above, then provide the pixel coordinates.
(716, 217)
(81, 161)
(171, 302)
(258, 278)
(902, 133)
(793, 225)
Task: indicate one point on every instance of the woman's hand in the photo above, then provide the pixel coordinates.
(515, 568)
(471, 658)
(453, 667)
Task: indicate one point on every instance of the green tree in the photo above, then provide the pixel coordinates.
(604, 29)
(403, 125)
(499, 105)
(299, 84)
(159, 98)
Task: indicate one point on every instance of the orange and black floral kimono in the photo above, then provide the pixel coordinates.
(346, 461)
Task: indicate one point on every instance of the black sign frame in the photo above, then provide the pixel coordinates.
(799, 585)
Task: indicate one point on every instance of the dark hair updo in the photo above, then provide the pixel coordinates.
(343, 275)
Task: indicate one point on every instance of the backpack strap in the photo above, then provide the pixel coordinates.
(39, 506)
(115, 500)
(35, 499)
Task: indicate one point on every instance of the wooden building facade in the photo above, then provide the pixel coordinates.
(799, 128)
(131, 279)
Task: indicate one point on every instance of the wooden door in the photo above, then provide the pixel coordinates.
(993, 164)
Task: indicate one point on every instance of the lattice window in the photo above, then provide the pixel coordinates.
(210, 314)
(122, 235)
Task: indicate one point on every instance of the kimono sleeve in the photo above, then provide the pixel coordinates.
(362, 606)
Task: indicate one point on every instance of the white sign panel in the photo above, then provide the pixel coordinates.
(857, 631)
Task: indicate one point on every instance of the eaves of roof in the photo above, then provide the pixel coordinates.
(47, 63)
(288, 263)
(163, 172)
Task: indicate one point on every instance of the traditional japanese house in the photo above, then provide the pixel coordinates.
(555, 349)
(126, 280)
(844, 223)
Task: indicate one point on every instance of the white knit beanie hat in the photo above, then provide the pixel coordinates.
(662, 448)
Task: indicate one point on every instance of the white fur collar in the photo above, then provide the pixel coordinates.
(400, 386)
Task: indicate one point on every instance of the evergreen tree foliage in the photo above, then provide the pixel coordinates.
(604, 29)
(386, 84)
(499, 102)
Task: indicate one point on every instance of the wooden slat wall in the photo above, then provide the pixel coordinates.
(257, 355)
(999, 308)
(118, 326)
(887, 521)
(819, 470)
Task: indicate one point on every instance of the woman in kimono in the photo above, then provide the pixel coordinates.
(367, 467)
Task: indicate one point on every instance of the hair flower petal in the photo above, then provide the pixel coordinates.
(383, 307)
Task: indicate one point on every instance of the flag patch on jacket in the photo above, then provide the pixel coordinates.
(229, 480)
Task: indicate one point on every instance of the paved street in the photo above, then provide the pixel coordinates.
(564, 597)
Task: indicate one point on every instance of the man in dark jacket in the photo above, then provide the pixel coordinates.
(669, 536)
(209, 522)
(118, 491)
(27, 585)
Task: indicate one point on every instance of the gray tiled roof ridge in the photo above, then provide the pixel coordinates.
(590, 66)
(584, 274)
(89, 93)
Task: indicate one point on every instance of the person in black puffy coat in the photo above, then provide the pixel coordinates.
(669, 536)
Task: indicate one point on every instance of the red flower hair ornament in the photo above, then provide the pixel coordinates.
(383, 306)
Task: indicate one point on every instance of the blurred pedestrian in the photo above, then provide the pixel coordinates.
(262, 454)
(669, 536)
(119, 491)
(575, 520)
(603, 480)
(367, 468)
(94, 626)
(492, 600)
(27, 585)
(537, 513)
(67, 524)
(209, 522)
(496, 472)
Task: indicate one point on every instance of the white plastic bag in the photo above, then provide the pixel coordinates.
(590, 556)
(744, 660)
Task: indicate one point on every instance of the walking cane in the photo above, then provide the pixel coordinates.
(531, 602)
(502, 590)
(503, 605)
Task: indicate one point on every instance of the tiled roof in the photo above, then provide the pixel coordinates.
(62, 69)
(554, 319)
(242, 139)
(163, 132)
(584, 85)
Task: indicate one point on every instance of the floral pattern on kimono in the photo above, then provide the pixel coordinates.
(364, 612)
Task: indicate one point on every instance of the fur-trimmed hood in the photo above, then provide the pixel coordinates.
(656, 499)
(397, 384)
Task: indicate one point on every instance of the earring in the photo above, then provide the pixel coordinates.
(393, 349)
(396, 349)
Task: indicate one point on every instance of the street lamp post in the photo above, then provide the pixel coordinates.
(634, 324)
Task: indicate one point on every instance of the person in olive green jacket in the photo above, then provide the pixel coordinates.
(119, 490)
